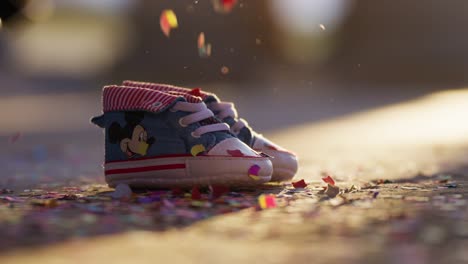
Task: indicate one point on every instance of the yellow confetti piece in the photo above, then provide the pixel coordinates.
(267, 201)
(168, 21)
(197, 149)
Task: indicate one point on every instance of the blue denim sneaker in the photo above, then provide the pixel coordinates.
(285, 163)
(158, 139)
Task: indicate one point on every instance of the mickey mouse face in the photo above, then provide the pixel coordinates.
(133, 138)
(138, 143)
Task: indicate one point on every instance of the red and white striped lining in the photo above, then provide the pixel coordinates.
(123, 98)
(169, 88)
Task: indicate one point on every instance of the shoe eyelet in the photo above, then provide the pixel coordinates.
(195, 135)
(181, 123)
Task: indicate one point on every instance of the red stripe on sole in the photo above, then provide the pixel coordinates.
(149, 168)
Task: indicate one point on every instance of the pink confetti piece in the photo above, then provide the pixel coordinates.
(299, 184)
(253, 172)
(224, 6)
(329, 180)
(267, 201)
(168, 21)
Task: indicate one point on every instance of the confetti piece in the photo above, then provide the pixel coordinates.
(224, 70)
(224, 6)
(197, 149)
(253, 172)
(122, 191)
(322, 26)
(15, 137)
(168, 21)
(299, 184)
(177, 191)
(267, 201)
(195, 194)
(235, 153)
(332, 191)
(375, 194)
(204, 49)
(218, 191)
(329, 180)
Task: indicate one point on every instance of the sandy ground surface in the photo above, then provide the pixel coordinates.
(401, 168)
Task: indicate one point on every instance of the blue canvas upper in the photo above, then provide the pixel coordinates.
(136, 134)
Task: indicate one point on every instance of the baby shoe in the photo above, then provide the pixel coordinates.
(285, 163)
(157, 139)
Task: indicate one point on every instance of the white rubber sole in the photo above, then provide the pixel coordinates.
(188, 171)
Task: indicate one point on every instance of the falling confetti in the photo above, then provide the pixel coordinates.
(224, 70)
(1, 23)
(253, 172)
(204, 49)
(329, 180)
(299, 184)
(197, 149)
(224, 6)
(322, 26)
(168, 21)
(267, 201)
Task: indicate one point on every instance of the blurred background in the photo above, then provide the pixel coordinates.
(284, 63)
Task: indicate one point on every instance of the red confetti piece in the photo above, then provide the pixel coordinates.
(329, 180)
(235, 153)
(196, 195)
(218, 191)
(267, 201)
(224, 6)
(299, 184)
(177, 191)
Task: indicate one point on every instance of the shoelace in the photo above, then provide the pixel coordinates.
(199, 112)
(225, 109)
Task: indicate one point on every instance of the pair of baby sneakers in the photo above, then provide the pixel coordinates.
(163, 136)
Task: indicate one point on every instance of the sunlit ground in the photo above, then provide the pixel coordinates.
(420, 137)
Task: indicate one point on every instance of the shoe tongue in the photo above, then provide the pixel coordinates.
(245, 134)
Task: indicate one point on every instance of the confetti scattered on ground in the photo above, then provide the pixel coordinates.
(329, 180)
(299, 184)
(266, 201)
(168, 21)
